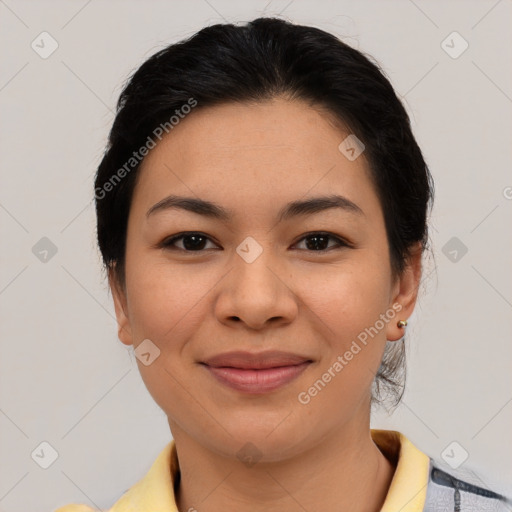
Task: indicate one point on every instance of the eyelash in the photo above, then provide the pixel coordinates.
(168, 242)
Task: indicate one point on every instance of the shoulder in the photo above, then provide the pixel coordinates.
(75, 508)
(454, 490)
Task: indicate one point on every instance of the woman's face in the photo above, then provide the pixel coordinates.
(256, 281)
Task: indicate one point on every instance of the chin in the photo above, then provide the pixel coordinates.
(264, 442)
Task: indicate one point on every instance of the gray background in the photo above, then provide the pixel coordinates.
(64, 376)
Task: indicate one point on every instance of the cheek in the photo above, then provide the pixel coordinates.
(164, 301)
(349, 299)
(349, 305)
(164, 308)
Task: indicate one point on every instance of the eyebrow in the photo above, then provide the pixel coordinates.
(293, 209)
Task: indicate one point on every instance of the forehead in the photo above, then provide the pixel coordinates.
(260, 131)
(247, 154)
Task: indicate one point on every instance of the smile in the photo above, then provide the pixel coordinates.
(256, 381)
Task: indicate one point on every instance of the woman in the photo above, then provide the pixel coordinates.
(262, 215)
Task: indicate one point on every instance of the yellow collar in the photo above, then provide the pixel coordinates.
(408, 489)
(407, 493)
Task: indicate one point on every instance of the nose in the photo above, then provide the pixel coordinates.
(257, 294)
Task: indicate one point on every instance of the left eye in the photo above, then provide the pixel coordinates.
(318, 241)
(195, 242)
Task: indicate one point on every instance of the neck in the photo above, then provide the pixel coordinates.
(345, 471)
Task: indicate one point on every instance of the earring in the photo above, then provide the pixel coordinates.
(401, 323)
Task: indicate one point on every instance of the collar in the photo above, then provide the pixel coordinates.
(407, 492)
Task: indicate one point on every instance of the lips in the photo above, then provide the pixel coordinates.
(255, 361)
(256, 372)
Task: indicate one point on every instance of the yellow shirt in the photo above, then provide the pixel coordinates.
(407, 492)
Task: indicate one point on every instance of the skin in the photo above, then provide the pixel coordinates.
(253, 159)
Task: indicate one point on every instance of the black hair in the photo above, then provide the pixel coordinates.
(261, 60)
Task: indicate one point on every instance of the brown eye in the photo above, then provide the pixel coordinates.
(191, 242)
(197, 242)
(319, 242)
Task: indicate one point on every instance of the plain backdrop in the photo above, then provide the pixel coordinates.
(67, 381)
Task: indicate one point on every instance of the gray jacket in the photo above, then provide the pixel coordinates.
(448, 492)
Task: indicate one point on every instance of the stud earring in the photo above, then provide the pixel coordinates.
(401, 323)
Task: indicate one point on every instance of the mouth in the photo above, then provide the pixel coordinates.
(256, 373)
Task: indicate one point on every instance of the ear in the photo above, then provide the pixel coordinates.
(405, 293)
(124, 331)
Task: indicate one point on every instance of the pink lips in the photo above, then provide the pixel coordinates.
(256, 373)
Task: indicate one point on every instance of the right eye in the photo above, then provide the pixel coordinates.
(191, 242)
